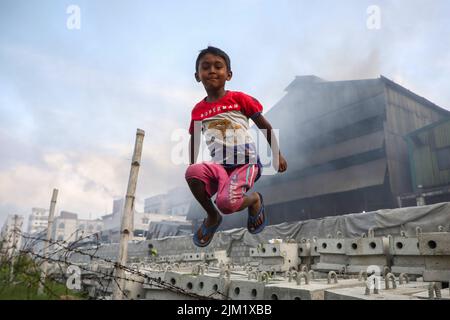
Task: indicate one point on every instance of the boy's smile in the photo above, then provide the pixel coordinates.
(213, 73)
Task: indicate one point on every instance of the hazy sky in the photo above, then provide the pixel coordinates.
(72, 99)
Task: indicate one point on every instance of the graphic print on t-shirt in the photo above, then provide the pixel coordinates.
(225, 126)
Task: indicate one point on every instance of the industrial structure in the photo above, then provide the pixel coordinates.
(429, 155)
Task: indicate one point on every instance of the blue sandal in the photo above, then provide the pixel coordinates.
(251, 221)
(205, 232)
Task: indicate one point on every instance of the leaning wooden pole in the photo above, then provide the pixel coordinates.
(47, 244)
(126, 228)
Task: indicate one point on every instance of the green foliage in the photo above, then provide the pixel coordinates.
(24, 283)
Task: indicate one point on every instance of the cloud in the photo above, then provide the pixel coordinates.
(84, 149)
(90, 98)
(87, 183)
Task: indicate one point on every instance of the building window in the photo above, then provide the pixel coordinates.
(82, 226)
(139, 233)
(145, 221)
(61, 225)
(443, 158)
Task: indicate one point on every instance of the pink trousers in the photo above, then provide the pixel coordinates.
(229, 184)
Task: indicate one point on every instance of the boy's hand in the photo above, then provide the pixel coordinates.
(283, 164)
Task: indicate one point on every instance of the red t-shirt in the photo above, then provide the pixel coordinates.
(225, 125)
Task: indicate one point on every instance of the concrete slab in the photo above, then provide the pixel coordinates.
(435, 247)
(332, 254)
(403, 246)
(402, 292)
(134, 286)
(213, 286)
(159, 294)
(328, 266)
(217, 256)
(434, 243)
(364, 252)
(156, 275)
(194, 256)
(445, 295)
(313, 291)
(277, 257)
(246, 290)
(437, 268)
(406, 256)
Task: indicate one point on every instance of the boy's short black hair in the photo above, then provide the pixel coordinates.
(215, 51)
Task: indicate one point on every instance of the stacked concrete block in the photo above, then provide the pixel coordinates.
(189, 283)
(217, 257)
(153, 278)
(215, 287)
(173, 278)
(162, 294)
(134, 289)
(332, 254)
(246, 260)
(367, 252)
(194, 257)
(278, 257)
(304, 253)
(239, 253)
(435, 248)
(387, 290)
(308, 253)
(170, 258)
(155, 290)
(245, 289)
(175, 258)
(313, 290)
(406, 258)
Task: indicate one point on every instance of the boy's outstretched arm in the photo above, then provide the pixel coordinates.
(266, 129)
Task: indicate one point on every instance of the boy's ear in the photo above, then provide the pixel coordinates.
(230, 75)
(197, 77)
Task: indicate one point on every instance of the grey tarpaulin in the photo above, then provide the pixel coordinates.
(383, 222)
(168, 228)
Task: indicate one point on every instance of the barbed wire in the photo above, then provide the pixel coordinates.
(61, 251)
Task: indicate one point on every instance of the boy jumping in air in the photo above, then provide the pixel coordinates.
(223, 118)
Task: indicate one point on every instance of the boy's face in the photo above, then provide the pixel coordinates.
(212, 72)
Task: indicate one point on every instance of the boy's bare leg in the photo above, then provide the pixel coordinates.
(253, 202)
(199, 191)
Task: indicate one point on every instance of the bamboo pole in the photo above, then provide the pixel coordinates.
(126, 228)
